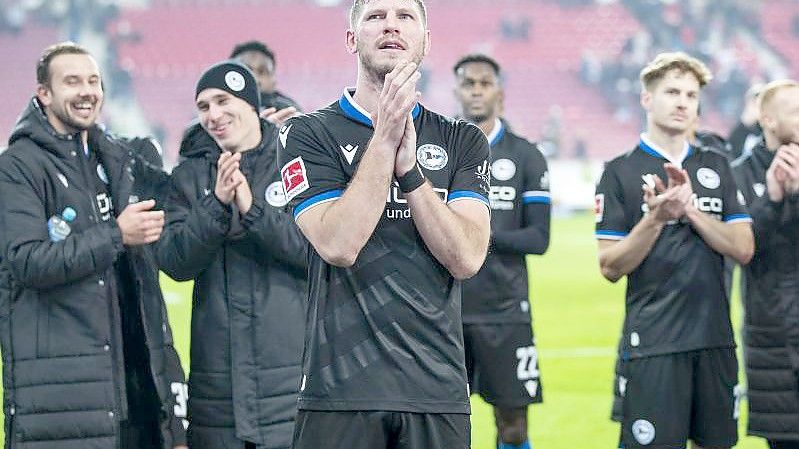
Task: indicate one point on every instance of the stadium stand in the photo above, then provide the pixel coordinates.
(570, 65)
(19, 53)
(313, 66)
(781, 29)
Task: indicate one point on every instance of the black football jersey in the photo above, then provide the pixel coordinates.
(384, 334)
(676, 300)
(519, 198)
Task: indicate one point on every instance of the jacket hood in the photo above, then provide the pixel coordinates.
(196, 142)
(32, 124)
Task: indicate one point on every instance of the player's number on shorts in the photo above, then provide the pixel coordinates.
(528, 363)
(181, 392)
(527, 370)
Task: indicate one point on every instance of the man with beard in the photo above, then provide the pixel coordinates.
(678, 363)
(84, 333)
(227, 231)
(501, 357)
(392, 197)
(769, 179)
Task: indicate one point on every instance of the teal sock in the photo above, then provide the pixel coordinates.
(525, 445)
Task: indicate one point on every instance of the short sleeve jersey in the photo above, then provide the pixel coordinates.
(498, 293)
(384, 334)
(676, 300)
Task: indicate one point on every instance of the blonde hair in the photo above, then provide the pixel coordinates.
(771, 89)
(666, 62)
(357, 8)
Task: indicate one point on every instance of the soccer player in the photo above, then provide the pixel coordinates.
(501, 357)
(769, 180)
(393, 198)
(666, 215)
(226, 230)
(261, 60)
(84, 334)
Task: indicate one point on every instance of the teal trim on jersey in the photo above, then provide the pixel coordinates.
(499, 135)
(537, 200)
(654, 152)
(737, 217)
(314, 200)
(610, 234)
(525, 445)
(353, 113)
(458, 194)
(533, 196)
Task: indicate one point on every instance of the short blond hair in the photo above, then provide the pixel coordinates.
(357, 8)
(666, 62)
(770, 91)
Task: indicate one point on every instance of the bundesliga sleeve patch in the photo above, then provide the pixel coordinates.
(295, 178)
(599, 207)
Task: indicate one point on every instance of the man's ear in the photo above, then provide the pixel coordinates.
(426, 42)
(646, 99)
(351, 41)
(44, 95)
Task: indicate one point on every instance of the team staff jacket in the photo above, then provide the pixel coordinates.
(60, 321)
(676, 300)
(385, 333)
(248, 301)
(771, 298)
(520, 216)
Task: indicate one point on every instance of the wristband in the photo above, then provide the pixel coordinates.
(412, 180)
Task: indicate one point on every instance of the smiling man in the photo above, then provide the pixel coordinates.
(84, 332)
(393, 198)
(226, 230)
(678, 365)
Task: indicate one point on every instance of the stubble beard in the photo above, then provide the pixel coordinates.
(377, 71)
(76, 124)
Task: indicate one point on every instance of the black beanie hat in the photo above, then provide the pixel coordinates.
(232, 77)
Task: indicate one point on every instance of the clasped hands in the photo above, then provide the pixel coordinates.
(672, 200)
(782, 176)
(231, 184)
(393, 120)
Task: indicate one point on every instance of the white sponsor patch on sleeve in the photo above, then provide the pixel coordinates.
(599, 207)
(294, 177)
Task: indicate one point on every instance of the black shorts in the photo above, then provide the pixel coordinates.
(381, 430)
(502, 363)
(619, 385)
(672, 398)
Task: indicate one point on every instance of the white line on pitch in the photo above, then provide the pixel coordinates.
(575, 353)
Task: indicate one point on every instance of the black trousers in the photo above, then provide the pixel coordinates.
(139, 435)
(783, 444)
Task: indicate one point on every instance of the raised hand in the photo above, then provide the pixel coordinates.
(782, 176)
(278, 118)
(668, 202)
(678, 178)
(396, 101)
(243, 194)
(140, 224)
(226, 183)
(406, 154)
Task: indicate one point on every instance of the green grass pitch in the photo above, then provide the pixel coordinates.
(577, 317)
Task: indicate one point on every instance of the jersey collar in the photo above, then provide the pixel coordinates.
(650, 147)
(356, 112)
(496, 132)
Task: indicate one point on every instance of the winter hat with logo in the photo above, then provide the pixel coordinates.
(232, 77)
